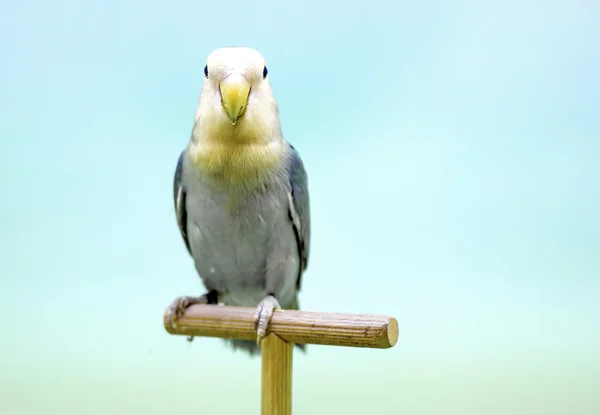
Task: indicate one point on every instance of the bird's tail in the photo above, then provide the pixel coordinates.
(250, 346)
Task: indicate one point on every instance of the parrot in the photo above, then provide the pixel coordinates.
(241, 196)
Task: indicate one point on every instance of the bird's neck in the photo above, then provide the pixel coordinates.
(237, 160)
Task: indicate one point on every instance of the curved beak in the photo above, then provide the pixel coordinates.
(234, 95)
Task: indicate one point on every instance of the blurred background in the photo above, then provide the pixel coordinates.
(453, 152)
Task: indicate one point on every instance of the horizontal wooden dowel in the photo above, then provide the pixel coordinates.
(293, 326)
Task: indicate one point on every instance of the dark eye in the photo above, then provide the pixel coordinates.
(206, 71)
(265, 72)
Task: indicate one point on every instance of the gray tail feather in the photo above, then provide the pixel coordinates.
(250, 346)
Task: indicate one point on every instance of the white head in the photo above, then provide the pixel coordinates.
(236, 101)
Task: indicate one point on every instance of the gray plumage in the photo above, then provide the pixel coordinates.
(241, 195)
(246, 242)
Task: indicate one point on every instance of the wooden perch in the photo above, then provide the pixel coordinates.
(292, 326)
(285, 328)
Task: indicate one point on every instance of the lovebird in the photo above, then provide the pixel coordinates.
(241, 195)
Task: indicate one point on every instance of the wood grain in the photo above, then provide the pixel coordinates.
(276, 394)
(292, 326)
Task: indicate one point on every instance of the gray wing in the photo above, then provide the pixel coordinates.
(179, 200)
(300, 210)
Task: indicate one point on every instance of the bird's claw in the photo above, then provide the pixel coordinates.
(263, 315)
(178, 307)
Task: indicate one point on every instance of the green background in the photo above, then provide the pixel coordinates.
(453, 156)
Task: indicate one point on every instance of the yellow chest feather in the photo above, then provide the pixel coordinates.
(236, 162)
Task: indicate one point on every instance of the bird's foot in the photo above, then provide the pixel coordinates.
(263, 315)
(180, 304)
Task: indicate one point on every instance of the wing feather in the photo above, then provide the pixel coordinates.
(179, 196)
(299, 210)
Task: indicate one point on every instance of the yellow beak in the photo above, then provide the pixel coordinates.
(234, 95)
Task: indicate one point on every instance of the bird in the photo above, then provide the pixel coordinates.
(241, 196)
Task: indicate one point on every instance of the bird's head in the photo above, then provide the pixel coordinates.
(236, 100)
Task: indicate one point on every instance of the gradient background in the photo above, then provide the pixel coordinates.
(453, 153)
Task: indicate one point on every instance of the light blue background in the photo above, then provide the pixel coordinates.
(453, 155)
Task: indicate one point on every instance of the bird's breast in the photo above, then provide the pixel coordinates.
(232, 248)
(235, 162)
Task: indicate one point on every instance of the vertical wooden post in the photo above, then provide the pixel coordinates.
(277, 356)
